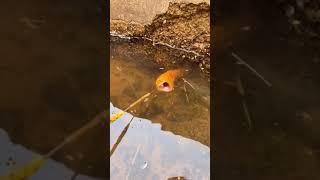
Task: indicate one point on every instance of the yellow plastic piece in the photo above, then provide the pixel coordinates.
(116, 116)
(26, 171)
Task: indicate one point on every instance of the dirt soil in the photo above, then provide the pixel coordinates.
(184, 27)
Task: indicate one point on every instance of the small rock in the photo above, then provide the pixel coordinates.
(303, 116)
(246, 28)
(295, 22)
(300, 4)
(145, 165)
(289, 11)
(316, 60)
(69, 157)
(79, 155)
(308, 151)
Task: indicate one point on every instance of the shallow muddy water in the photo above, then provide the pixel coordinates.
(52, 75)
(184, 111)
(284, 141)
(183, 114)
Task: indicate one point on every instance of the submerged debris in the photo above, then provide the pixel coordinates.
(145, 165)
(177, 178)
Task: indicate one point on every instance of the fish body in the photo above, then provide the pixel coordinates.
(166, 81)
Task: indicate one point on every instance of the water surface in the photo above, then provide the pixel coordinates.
(185, 111)
(170, 133)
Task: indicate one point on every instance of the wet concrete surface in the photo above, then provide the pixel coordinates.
(53, 75)
(284, 142)
(142, 11)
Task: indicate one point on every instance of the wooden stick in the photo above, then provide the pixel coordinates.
(185, 90)
(243, 101)
(124, 131)
(78, 133)
(121, 113)
(188, 83)
(242, 62)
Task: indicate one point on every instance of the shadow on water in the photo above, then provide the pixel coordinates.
(284, 142)
(174, 137)
(53, 78)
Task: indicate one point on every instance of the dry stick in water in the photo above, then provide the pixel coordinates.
(156, 43)
(78, 133)
(242, 62)
(34, 165)
(124, 131)
(185, 90)
(119, 114)
(244, 104)
(188, 83)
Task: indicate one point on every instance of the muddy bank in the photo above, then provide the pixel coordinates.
(184, 28)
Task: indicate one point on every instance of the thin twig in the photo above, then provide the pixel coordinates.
(185, 90)
(242, 62)
(156, 43)
(171, 46)
(229, 83)
(119, 114)
(137, 101)
(243, 101)
(78, 133)
(188, 83)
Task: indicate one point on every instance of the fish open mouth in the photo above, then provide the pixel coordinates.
(165, 87)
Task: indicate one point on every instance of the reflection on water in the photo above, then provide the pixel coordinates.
(13, 155)
(146, 152)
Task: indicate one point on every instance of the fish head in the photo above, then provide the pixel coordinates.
(164, 85)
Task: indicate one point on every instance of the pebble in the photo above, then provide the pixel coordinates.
(145, 165)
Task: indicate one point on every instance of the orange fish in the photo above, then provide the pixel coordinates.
(165, 82)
